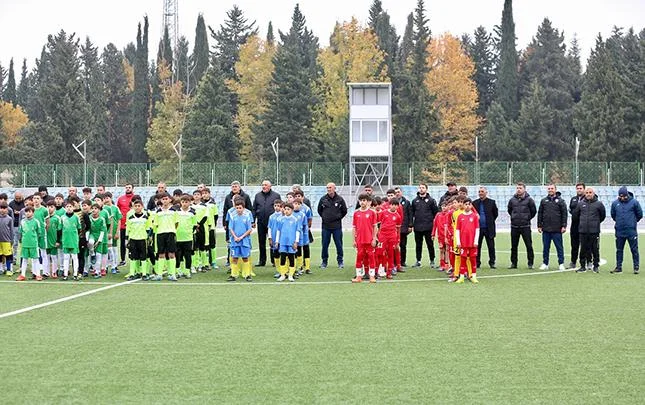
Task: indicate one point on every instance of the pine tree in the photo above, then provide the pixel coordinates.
(141, 97)
(118, 104)
(182, 63)
(165, 50)
(200, 57)
(506, 85)
(405, 50)
(545, 62)
(228, 40)
(270, 36)
(3, 76)
(10, 87)
(534, 125)
(379, 23)
(480, 50)
(499, 141)
(210, 134)
(576, 68)
(291, 96)
(24, 88)
(93, 83)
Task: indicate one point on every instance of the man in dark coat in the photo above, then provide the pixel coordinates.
(487, 210)
(262, 210)
(626, 212)
(521, 209)
(451, 192)
(406, 223)
(552, 223)
(424, 209)
(590, 213)
(332, 209)
(574, 233)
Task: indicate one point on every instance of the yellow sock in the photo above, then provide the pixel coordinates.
(307, 264)
(469, 267)
(282, 268)
(246, 269)
(455, 271)
(235, 269)
(299, 262)
(292, 271)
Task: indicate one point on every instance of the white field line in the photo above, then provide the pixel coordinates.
(64, 299)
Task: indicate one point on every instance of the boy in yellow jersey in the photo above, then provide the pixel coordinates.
(458, 210)
(165, 227)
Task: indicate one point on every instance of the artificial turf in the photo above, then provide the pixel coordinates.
(553, 337)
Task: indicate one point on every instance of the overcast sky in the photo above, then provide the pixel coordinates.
(26, 24)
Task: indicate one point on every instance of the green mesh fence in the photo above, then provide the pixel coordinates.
(401, 173)
(196, 173)
(560, 173)
(526, 172)
(226, 173)
(323, 173)
(135, 173)
(257, 172)
(39, 175)
(427, 172)
(294, 173)
(492, 173)
(592, 173)
(461, 172)
(625, 173)
(101, 173)
(164, 172)
(11, 175)
(70, 175)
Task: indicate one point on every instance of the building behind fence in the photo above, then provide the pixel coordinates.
(491, 173)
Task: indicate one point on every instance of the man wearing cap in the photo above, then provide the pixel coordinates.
(262, 210)
(626, 212)
(366, 190)
(552, 223)
(488, 213)
(406, 224)
(590, 213)
(452, 192)
(42, 190)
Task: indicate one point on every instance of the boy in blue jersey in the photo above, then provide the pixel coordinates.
(303, 254)
(287, 239)
(272, 232)
(240, 226)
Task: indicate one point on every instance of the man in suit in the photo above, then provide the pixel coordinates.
(487, 210)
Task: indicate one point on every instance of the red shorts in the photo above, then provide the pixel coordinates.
(468, 252)
(365, 256)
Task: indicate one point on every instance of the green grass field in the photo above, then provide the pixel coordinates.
(516, 337)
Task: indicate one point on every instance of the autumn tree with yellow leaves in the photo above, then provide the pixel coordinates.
(450, 81)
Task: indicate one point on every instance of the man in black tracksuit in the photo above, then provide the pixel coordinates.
(487, 210)
(575, 234)
(521, 209)
(590, 213)
(424, 208)
(332, 209)
(262, 210)
(406, 223)
(228, 204)
(552, 223)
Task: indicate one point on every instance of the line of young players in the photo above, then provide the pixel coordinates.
(179, 235)
(376, 233)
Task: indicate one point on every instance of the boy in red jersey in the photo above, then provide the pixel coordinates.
(365, 229)
(466, 236)
(389, 233)
(439, 228)
(380, 206)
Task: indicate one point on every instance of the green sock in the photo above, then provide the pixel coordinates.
(205, 258)
(134, 267)
(159, 266)
(214, 255)
(196, 259)
(144, 267)
(172, 266)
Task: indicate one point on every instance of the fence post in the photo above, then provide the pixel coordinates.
(148, 176)
(410, 169)
(244, 176)
(609, 175)
(641, 176)
(310, 174)
(116, 176)
(54, 175)
(24, 177)
(443, 173)
(510, 173)
(543, 174)
(342, 173)
(212, 176)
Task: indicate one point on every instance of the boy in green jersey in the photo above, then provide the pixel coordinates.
(199, 247)
(113, 234)
(107, 217)
(30, 232)
(59, 200)
(96, 239)
(137, 230)
(70, 226)
(40, 213)
(211, 223)
(165, 227)
(53, 235)
(186, 226)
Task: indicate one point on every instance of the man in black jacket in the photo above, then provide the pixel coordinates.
(451, 192)
(521, 209)
(332, 209)
(590, 213)
(574, 233)
(424, 209)
(236, 189)
(552, 223)
(262, 210)
(406, 223)
(487, 210)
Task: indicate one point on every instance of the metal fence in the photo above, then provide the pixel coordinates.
(408, 173)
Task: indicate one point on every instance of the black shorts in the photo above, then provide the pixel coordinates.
(275, 253)
(166, 243)
(199, 239)
(211, 239)
(137, 249)
(186, 248)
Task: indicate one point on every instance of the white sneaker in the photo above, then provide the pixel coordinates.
(561, 267)
(282, 277)
(544, 267)
(291, 279)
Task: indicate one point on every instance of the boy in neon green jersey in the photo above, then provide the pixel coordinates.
(165, 227)
(137, 230)
(186, 227)
(113, 234)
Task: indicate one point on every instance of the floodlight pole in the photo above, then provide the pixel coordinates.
(84, 156)
(477, 159)
(577, 168)
(177, 147)
(275, 145)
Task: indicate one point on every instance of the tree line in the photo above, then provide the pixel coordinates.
(238, 89)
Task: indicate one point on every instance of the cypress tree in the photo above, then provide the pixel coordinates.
(93, 84)
(165, 50)
(210, 134)
(506, 85)
(480, 50)
(23, 92)
(200, 57)
(182, 64)
(270, 35)
(118, 102)
(10, 87)
(141, 97)
(379, 23)
(405, 50)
